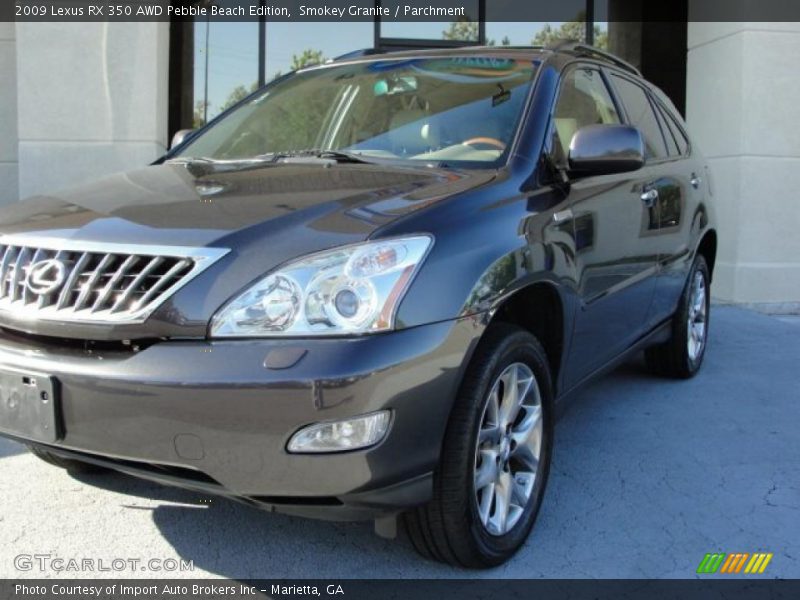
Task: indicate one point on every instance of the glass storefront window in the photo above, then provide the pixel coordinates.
(226, 57)
(225, 66)
(601, 35)
(292, 45)
(461, 29)
(218, 63)
(500, 33)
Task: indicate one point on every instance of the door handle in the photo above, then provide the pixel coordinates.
(561, 216)
(695, 181)
(649, 198)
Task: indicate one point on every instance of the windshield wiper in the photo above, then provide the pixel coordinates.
(273, 157)
(337, 155)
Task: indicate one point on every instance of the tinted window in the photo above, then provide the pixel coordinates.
(641, 115)
(672, 145)
(677, 132)
(583, 100)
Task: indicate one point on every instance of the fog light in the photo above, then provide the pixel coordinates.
(337, 436)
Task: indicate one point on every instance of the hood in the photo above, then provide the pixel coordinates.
(262, 214)
(209, 204)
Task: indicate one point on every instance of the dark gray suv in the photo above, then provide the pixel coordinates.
(359, 293)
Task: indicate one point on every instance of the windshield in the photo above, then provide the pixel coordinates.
(458, 109)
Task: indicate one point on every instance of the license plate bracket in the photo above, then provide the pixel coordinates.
(29, 405)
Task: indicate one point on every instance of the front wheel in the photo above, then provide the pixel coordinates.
(495, 457)
(682, 356)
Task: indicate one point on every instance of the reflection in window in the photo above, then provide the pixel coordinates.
(670, 206)
(640, 115)
(461, 30)
(666, 213)
(499, 33)
(551, 34)
(225, 66)
(463, 109)
(464, 28)
(584, 231)
(290, 46)
(546, 34)
(226, 59)
(583, 100)
(600, 35)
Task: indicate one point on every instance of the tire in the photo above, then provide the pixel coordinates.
(463, 524)
(73, 466)
(682, 355)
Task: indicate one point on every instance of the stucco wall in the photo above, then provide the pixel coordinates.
(92, 100)
(743, 109)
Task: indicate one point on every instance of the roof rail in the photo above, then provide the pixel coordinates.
(509, 47)
(356, 54)
(436, 45)
(586, 50)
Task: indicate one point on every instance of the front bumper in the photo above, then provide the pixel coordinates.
(209, 415)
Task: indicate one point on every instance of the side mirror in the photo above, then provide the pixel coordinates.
(180, 137)
(606, 149)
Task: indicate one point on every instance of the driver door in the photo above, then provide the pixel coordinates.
(615, 262)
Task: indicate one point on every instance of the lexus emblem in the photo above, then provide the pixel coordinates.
(46, 276)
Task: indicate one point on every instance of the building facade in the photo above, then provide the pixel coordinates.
(81, 100)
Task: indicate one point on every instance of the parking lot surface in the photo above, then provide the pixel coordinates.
(648, 476)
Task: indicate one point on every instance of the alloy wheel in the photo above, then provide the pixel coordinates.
(508, 449)
(697, 322)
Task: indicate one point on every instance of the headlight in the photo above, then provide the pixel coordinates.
(348, 290)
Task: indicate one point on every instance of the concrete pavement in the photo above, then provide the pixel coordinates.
(648, 476)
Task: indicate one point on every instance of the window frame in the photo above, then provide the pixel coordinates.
(648, 95)
(670, 116)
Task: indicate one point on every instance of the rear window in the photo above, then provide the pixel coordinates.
(672, 145)
(676, 131)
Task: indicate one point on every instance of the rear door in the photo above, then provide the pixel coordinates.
(661, 186)
(677, 212)
(615, 258)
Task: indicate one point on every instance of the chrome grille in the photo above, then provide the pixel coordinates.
(74, 281)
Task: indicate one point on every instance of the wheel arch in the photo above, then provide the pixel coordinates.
(540, 309)
(707, 248)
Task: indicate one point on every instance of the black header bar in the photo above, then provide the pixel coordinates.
(440, 589)
(395, 10)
